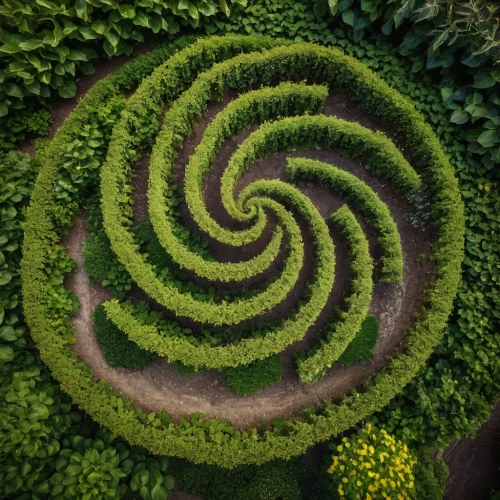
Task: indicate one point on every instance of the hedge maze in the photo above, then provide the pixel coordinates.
(204, 313)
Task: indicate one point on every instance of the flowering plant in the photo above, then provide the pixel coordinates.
(371, 464)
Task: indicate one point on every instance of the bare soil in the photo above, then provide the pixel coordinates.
(158, 387)
(474, 463)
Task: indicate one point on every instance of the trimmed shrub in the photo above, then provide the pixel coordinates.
(364, 199)
(245, 380)
(118, 350)
(357, 303)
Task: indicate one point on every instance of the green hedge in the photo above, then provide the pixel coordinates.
(357, 302)
(365, 200)
(117, 349)
(148, 336)
(253, 107)
(214, 441)
(247, 379)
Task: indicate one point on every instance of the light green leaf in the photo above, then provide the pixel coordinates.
(31, 44)
(127, 11)
(487, 138)
(141, 20)
(10, 48)
(159, 493)
(68, 90)
(223, 7)
(348, 17)
(6, 354)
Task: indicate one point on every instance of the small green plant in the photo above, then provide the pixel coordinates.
(363, 344)
(247, 379)
(149, 480)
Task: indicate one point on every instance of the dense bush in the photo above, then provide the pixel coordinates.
(372, 464)
(117, 348)
(430, 476)
(271, 481)
(245, 380)
(363, 344)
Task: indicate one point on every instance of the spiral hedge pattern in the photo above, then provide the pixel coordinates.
(284, 87)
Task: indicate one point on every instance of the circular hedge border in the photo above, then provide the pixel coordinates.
(214, 441)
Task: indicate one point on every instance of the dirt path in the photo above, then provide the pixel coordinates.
(474, 463)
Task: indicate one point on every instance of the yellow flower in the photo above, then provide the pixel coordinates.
(345, 480)
(372, 449)
(339, 448)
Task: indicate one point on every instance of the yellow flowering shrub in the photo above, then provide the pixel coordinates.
(371, 464)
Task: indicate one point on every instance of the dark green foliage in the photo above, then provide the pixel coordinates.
(103, 267)
(16, 126)
(272, 481)
(361, 348)
(46, 46)
(100, 467)
(246, 379)
(430, 477)
(184, 370)
(117, 348)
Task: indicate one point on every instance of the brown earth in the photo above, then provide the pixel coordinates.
(474, 463)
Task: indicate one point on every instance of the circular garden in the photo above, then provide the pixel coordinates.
(231, 136)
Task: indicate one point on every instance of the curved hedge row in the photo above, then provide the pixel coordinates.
(249, 349)
(214, 441)
(365, 200)
(357, 302)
